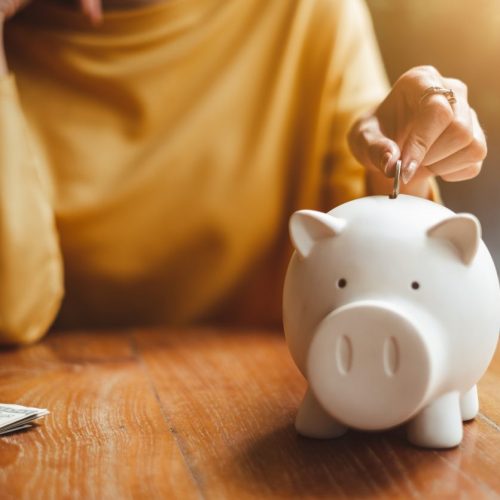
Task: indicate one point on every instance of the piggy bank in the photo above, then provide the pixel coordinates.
(391, 311)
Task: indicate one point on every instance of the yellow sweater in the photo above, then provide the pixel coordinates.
(149, 165)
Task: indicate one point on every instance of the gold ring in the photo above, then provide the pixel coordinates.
(448, 93)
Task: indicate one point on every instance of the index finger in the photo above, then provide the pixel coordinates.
(460, 132)
(434, 115)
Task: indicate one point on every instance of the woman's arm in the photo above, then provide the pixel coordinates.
(31, 270)
(31, 277)
(432, 135)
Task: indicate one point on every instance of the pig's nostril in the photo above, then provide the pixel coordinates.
(391, 356)
(344, 354)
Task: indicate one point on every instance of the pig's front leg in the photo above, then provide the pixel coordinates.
(469, 404)
(438, 425)
(312, 421)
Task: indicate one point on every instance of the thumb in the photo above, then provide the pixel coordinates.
(371, 147)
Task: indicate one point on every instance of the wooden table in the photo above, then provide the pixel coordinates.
(208, 413)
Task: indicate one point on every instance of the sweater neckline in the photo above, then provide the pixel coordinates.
(167, 15)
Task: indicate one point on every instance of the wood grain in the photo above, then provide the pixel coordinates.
(208, 413)
(106, 436)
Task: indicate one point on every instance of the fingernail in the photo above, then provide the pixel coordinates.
(409, 171)
(386, 163)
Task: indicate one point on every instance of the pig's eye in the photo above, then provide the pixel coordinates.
(415, 285)
(341, 283)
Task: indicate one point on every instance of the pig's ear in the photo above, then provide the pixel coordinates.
(308, 226)
(463, 231)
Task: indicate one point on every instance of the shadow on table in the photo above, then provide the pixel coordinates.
(356, 465)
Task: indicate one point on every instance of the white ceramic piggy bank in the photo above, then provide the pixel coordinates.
(391, 311)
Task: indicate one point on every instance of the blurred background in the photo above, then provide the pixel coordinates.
(461, 38)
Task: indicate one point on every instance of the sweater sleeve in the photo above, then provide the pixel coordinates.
(31, 282)
(357, 83)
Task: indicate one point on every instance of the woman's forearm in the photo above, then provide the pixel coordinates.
(31, 272)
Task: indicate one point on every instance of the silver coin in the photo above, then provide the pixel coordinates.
(397, 177)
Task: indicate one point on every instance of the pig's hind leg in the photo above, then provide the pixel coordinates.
(438, 425)
(469, 404)
(313, 421)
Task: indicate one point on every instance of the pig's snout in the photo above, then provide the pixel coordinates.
(370, 366)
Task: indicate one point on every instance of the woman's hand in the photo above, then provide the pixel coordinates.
(9, 7)
(92, 9)
(429, 134)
